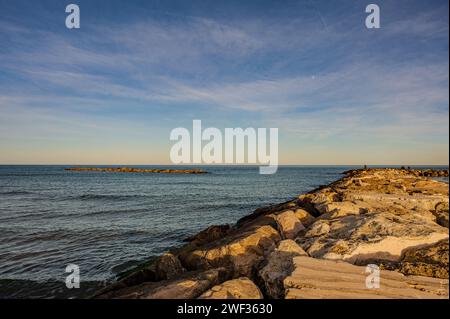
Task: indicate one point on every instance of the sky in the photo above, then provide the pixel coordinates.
(112, 91)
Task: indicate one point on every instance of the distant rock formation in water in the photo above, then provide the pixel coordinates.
(136, 170)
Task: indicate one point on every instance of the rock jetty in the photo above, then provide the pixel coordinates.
(317, 245)
(136, 170)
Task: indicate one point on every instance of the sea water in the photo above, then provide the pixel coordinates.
(107, 223)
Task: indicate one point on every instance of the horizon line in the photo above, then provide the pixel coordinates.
(202, 164)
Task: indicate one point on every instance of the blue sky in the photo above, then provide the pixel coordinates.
(111, 91)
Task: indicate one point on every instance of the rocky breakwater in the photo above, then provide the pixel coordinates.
(315, 246)
(136, 170)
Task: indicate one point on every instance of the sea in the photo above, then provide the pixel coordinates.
(107, 223)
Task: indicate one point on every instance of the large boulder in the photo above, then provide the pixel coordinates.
(188, 286)
(241, 288)
(279, 265)
(441, 213)
(262, 211)
(304, 216)
(288, 224)
(430, 261)
(319, 228)
(168, 266)
(318, 278)
(209, 234)
(239, 251)
(375, 216)
(331, 210)
(370, 237)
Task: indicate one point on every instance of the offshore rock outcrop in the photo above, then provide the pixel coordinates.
(316, 246)
(136, 170)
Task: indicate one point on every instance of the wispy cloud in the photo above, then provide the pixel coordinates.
(317, 76)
